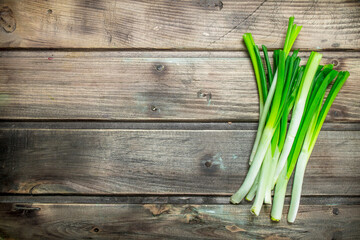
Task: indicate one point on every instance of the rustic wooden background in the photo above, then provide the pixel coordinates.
(135, 119)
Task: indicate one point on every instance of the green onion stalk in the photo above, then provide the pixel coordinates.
(294, 76)
(250, 45)
(250, 196)
(266, 136)
(277, 150)
(292, 33)
(309, 143)
(273, 161)
(263, 193)
(310, 116)
(267, 128)
(299, 107)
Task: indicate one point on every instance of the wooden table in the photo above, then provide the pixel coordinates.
(135, 119)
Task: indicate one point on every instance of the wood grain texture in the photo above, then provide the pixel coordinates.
(177, 86)
(166, 221)
(166, 24)
(170, 132)
(134, 161)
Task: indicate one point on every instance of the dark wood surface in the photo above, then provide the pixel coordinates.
(169, 221)
(167, 24)
(135, 119)
(176, 86)
(149, 161)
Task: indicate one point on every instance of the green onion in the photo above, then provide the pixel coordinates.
(266, 131)
(263, 83)
(309, 143)
(264, 113)
(309, 117)
(268, 65)
(276, 58)
(250, 196)
(299, 106)
(250, 45)
(266, 136)
(281, 185)
(287, 88)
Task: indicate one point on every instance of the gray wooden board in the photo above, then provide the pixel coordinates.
(147, 86)
(166, 24)
(168, 221)
(129, 161)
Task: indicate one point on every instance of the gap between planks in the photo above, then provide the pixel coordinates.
(131, 125)
(161, 199)
(169, 53)
(175, 50)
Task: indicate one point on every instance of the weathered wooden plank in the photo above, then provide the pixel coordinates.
(165, 24)
(133, 161)
(181, 86)
(166, 221)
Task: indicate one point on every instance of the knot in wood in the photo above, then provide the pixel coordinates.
(335, 62)
(7, 19)
(159, 67)
(208, 164)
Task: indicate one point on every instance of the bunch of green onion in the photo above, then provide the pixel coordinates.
(287, 88)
